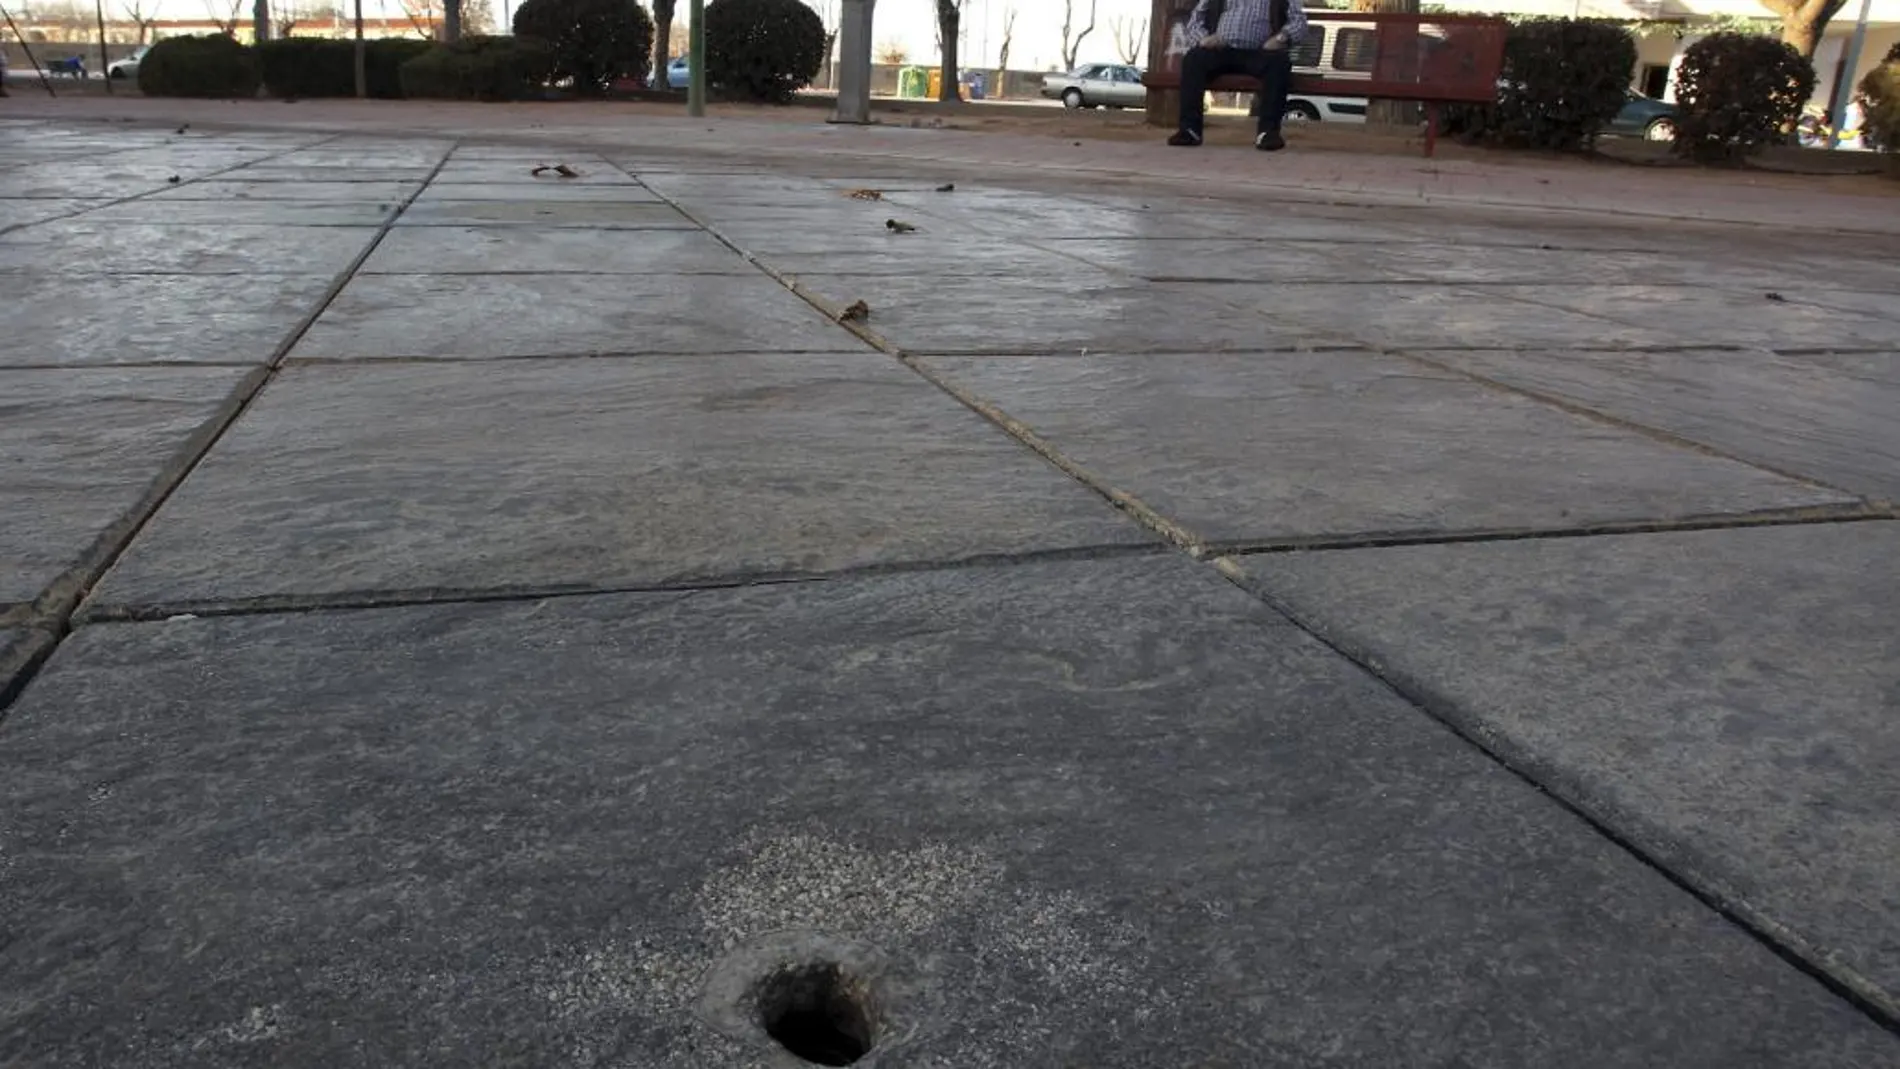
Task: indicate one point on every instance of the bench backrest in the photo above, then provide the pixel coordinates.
(1369, 54)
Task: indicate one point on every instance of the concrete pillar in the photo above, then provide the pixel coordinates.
(854, 62)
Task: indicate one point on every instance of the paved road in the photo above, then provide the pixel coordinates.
(454, 617)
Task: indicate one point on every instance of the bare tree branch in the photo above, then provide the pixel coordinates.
(1009, 36)
(1130, 38)
(1071, 39)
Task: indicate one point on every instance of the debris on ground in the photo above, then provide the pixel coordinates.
(183, 128)
(1773, 296)
(947, 187)
(865, 194)
(898, 226)
(173, 179)
(560, 169)
(857, 312)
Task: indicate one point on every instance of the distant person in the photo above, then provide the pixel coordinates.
(3, 72)
(1240, 37)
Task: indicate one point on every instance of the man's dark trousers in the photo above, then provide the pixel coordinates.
(1200, 66)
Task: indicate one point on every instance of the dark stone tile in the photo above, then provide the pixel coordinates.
(88, 247)
(521, 249)
(79, 449)
(1724, 698)
(95, 320)
(1291, 446)
(1828, 416)
(598, 473)
(1703, 315)
(473, 316)
(1076, 311)
(1103, 813)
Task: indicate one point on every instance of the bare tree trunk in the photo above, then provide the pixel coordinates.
(260, 22)
(1009, 35)
(105, 61)
(362, 57)
(662, 41)
(451, 20)
(949, 16)
(1804, 21)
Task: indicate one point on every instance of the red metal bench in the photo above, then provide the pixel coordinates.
(1432, 59)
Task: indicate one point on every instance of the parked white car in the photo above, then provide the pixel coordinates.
(129, 66)
(1097, 85)
(1338, 52)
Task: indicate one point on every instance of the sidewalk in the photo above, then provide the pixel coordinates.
(1607, 191)
(667, 617)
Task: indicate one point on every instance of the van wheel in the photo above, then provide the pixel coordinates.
(1660, 130)
(1300, 111)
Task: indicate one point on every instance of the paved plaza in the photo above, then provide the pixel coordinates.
(451, 616)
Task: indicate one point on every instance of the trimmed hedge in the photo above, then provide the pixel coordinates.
(383, 63)
(1564, 80)
(1880, 105)
(1736, 92)
(322, 67)
(308, 67)
(593, 42)
(209, 66)
(481, 68)
(763, 50)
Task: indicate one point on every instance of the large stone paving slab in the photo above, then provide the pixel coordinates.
(1102, 814)
(587, 474)
(22, 211)
(1081, 310)
(1724, 698)
(80, 320)
(87, 246)
(473, 316)
(1702, 315)
(561, 192)
(309, 192)
(79, 449)
(512, 249)
(20, 647)
(1433, 317)
(251, 212)
(1828, 416)
(563, 213)
(1290, 447)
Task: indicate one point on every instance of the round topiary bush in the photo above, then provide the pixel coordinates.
(210, 66)
(1736, 92)
(1879, 98)
(1564, 80)
(480, 68)
(764, 50)
(594, 42)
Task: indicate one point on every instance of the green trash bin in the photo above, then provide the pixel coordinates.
(913, 83)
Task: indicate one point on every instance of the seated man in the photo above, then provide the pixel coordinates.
(1240, 37)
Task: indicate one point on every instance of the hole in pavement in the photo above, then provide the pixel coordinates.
(819, 1012)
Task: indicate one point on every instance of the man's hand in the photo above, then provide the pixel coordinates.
(1275, 43)
(1213, 40)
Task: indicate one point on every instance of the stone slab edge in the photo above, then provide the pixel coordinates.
(51, 613)
(1651, 844)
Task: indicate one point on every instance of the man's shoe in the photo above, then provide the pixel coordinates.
(1185, 139)
(1270, 141)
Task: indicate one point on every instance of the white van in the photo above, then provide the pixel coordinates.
(1337, 51)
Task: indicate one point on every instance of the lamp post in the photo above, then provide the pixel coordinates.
(1844, 94)
(696, 59)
